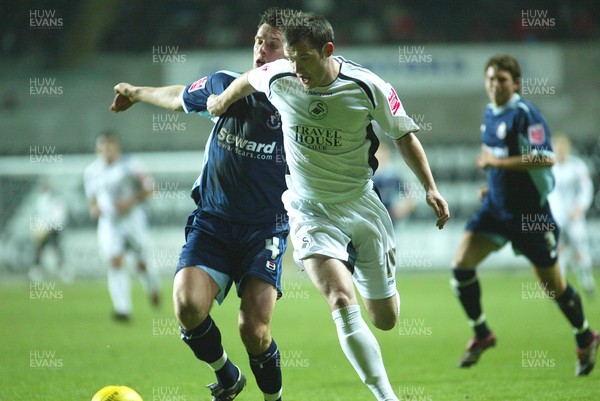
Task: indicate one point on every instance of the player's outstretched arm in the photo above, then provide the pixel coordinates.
(238, 89)
(411, 150)
(166, 97)
(487, 160)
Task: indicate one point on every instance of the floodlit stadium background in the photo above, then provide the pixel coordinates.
(60, 60)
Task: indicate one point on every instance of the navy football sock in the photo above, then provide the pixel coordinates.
(205, 342)
(468, 291)
(570, 304)
(267, 371)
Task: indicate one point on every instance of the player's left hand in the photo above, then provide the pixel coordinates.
(440, 207)
(485, 159)
(124, 205)
(214, 106)
(577, 213)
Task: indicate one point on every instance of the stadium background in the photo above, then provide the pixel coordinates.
(58, 64)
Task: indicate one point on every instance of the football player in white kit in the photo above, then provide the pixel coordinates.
(569, 202)
(340, 229)
(116, 187)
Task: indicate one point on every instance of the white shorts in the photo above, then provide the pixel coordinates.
(129, 232)
(358, 231)
(574, 234)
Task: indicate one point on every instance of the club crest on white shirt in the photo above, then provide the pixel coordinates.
(317, 109)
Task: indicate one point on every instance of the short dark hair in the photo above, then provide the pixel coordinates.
(506, 63)
(107, 136)
(310, 27)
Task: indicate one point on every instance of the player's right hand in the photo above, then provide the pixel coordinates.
(123, 98)
(482, 192)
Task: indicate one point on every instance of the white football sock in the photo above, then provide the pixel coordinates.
(362, 350)
(148, 280)
(273, 397)
(583, 270)
(119, 287)
(219, 363)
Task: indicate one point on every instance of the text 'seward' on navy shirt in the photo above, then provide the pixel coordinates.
(243, 172)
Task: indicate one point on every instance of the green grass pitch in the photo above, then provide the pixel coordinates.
(58, 343)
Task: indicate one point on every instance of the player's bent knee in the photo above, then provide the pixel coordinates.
(189, 310)
(338, 300)
(193, 295)
(256, 337)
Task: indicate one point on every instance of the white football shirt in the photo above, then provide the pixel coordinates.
(111, 182)
(328, 136)
(573, 188)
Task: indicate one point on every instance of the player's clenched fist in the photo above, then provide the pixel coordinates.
(123, 98)
(214, 106)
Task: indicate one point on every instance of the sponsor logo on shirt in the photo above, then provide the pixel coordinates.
(317, 109)
(199, 84)
(536, 134)
(313, 93)
(245, 147)
(317, 138)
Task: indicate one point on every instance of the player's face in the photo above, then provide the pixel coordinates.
(562, 148)
(499, 85)
(108, 150)
(268, 45)
(310, 65)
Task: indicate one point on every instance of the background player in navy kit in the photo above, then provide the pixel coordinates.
(239, 231)
(517, 155)
(394, 192)
(342, 233)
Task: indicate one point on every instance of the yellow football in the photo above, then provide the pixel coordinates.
(117, 393)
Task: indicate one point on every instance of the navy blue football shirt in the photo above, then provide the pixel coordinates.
(243, 173)
(517, 129)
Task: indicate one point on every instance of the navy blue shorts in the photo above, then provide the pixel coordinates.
(534, 235)
(231, 252)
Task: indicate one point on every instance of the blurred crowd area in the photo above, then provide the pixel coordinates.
(137, 25)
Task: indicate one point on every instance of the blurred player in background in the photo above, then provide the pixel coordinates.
(339, 227)
(116, 187)
(394, 192)
(47, 225)
(238, 232)
(570, 201)
(517, 156)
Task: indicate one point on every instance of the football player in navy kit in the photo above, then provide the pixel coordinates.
(517, 156)
(238, 232)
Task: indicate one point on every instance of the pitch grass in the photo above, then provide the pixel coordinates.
(67, 348)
